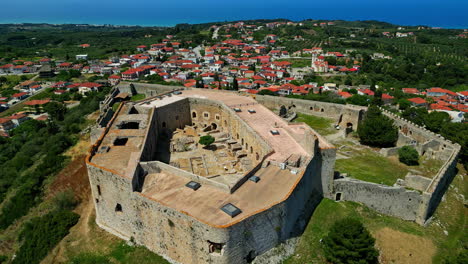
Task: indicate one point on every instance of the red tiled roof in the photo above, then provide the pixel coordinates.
(19, 94)
(37, 102)
(417, 100)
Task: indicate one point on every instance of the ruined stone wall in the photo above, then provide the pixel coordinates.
(149, 146)
(206, 112)
(158, 167)
(173, 116)
(394, 201)
(438, 186)
(342, 114)
(148, 90)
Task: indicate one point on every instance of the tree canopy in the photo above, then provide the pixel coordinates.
(206, 140)
(377, 130)
(349, 242)
(408, 155)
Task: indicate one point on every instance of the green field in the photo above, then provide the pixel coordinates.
(324, 126)
(137, 97)
(120, 253)
(369, 166)
(391, 233)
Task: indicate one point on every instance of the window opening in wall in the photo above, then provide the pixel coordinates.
(129, 125)
(250, 257)
(311, 108)
(120, 141)
(176, 117)
(246, 145)
(338, 197)
(163, 124)
(215, 247)
(214, 126)
(257, 157)
(99, 189)
(217, 117)
(118, 208)
(242, 142)
(237, 136)
(194, 114)
(206, 115)
(225, 122)
(322, 110)
(251, 150)
(97, 200)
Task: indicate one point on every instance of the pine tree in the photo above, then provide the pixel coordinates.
(377, 130)
(349, 242)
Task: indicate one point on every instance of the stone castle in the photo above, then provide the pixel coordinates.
(255, 187)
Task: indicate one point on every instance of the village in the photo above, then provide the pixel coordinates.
(246, 65)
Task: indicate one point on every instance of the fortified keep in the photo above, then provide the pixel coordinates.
(255, 187)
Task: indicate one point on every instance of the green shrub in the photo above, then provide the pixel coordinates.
(206, 140)
(65, 200)
(377, 130)
(408, 155)
(41, 234)
(349, 242)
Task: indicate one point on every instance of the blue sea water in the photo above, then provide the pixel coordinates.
(430, 12)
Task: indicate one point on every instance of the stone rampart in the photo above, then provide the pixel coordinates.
(394, 201)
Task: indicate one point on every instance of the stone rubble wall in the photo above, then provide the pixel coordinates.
(394, 201)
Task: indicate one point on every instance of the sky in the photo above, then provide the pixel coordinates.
(448, 13)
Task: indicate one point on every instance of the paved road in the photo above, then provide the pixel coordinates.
(197, 51)
(215, 33)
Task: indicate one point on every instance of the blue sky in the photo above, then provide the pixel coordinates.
(157, 12)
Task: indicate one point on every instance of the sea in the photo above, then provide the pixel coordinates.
(170, 16)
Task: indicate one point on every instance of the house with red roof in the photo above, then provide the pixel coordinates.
(19, 69)
(18, 119)
(436, 107)
(417, 101)
(35, 88)
(463, 97)
(387, 99)
(437, 91)
(114, 79)
(344, 95)
(20, 96)
(64, 66)
(88, 87)
(367, 92)
(6, 125)
(410, 91)
(35, 106)
(141, 48)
